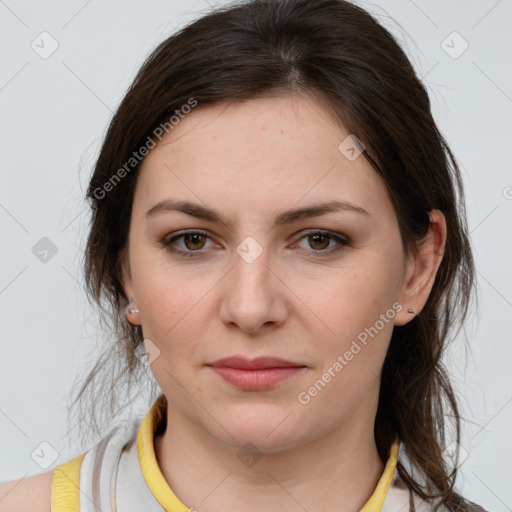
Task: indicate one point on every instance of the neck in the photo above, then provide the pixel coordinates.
(340, 467)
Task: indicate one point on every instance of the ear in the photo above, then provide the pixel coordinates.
(133, 318)
(421, 269)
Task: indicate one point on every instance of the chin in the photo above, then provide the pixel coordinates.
(269, 429)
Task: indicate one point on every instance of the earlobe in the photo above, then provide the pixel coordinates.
(421, 269)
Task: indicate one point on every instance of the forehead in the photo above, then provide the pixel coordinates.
(273, 151)
(271, 127)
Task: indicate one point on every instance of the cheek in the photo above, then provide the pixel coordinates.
(352, 299)
(170, 309)
(350, 365)
(357, 319)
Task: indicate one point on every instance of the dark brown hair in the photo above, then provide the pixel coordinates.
(341, 56)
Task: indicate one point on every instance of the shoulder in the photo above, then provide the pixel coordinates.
(34, 493)
(400, 495)
(31, 493)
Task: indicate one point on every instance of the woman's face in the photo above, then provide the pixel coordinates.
(249, 286)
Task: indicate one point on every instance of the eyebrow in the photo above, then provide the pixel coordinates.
(286, 217)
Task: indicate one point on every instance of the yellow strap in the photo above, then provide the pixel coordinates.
(376, 501)
(166, 497)
(65, 494)
(149, 465)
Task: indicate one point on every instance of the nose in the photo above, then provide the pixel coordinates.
(253, 294)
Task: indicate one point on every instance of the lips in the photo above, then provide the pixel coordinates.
(255, 374)
(259, 363)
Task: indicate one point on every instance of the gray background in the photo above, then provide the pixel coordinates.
(54, 112)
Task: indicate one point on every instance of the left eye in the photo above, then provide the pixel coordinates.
(194, 242)
(320, 240)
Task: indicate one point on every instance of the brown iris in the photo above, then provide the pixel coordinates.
(194, 237)
(318, 237)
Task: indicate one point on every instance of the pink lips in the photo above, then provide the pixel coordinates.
(255, 374)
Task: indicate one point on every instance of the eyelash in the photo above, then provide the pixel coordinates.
(342, 242)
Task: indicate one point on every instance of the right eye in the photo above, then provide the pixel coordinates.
(193, 242)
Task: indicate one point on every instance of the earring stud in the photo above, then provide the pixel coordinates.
(133, 311)
(410, 310)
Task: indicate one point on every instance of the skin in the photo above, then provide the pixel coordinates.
(250, 161)
(28, 494)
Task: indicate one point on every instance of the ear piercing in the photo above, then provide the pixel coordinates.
(410, 310)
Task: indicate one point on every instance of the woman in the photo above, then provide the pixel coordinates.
(277, 232)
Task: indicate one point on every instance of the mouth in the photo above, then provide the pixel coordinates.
(255, 374)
